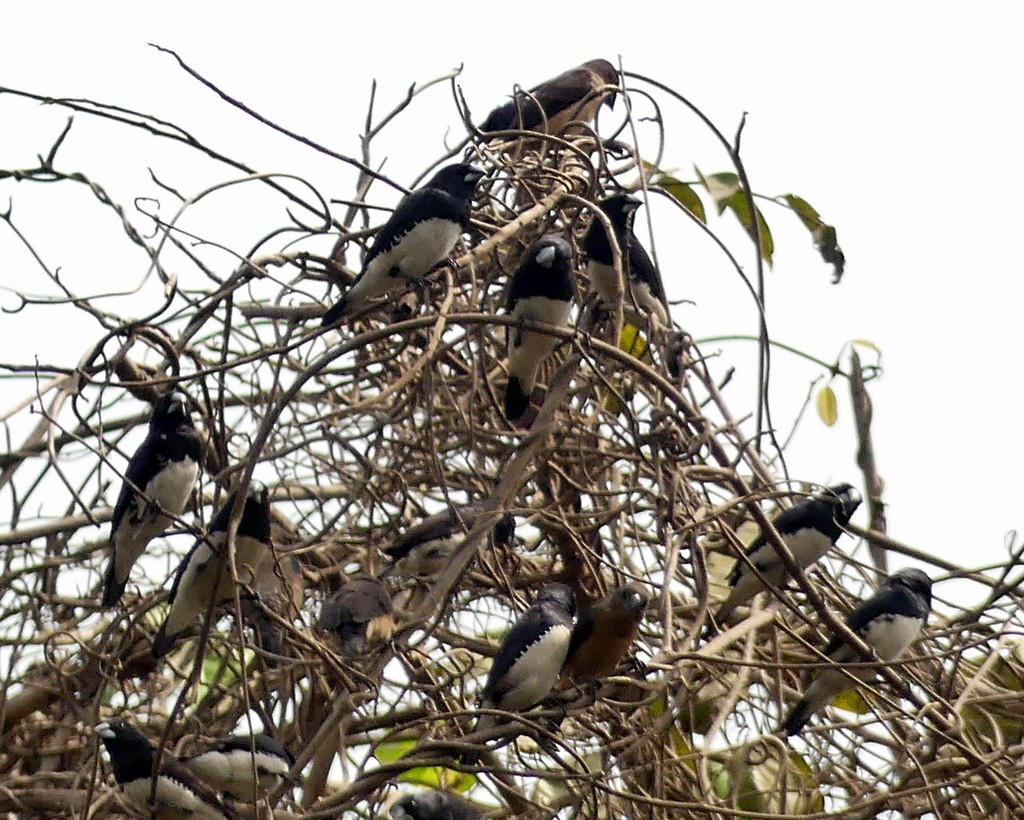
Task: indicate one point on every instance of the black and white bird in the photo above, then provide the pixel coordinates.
(179, 795)
(416, 239)
(229, 765)
(531, 656)
(434, 805)
(573, 96)
(424, 548)
(203, 579)
(360, 614)
(809, 529)
(888, 622)
(643, 294)
(157, 485)
(542, 291)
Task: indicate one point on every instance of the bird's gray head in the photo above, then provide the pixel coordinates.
(558, 595)
(551, 251)
(634, 597)
(913, 579)
(417, 806)
(607, 73)
(258, 492)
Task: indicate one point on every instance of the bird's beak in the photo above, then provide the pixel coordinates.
(610, 100)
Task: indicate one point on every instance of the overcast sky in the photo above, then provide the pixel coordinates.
(900, 123)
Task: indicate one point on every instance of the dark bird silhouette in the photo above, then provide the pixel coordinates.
(531, 656)
(424, 548)
(204, 578)
(158, 484)
(605, 631)
(809, 529)
(643, 294)
(574, 96)
(888, 622)
(228, 766)
(542, 291)
(434, 805)
(416, 239)
(179, 795)
(360, 614)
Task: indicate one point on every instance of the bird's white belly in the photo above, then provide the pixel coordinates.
(172, 486)
(173, 800)
(807, 545)
(415, 254)
(536, 671)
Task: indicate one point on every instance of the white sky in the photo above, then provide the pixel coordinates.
(900, 123)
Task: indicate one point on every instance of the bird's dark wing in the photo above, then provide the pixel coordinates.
(176, 770)
(643, 269)
(419, 206)
(583, 629)
(142, 466)
(533, 623)
(885, 601)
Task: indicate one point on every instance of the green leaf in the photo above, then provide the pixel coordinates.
(823, 234)
(632, 341)
(684, 194)
(727, 192)
(828, 408)
(392, 750)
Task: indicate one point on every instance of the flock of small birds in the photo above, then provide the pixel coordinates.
(550, 645)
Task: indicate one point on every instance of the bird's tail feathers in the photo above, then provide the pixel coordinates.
(336, 312)
(162, 642)
(112, 589)
(798, 717)
(517, 401)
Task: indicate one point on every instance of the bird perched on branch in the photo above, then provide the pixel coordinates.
(425, 547)
(157, 485)
(643, 294)
(531, 656)
(360, 614)
(203, 579)
(416, 239)
(605, 631)
(179, 793)
(574, 96)
(229, 765)
(541, 291)
(888, 622)
(809, 529)
(434, 805)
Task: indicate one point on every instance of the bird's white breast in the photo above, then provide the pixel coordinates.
(172, 486)
(890, 635)
(536, 671)
(807, 545)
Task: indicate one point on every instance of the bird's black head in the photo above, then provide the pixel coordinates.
(633, 598)
(620, 210)
(131, 753)
(458, 180)
(422, 806)
(915, 580)
(558, 595)
(845, 498)
(171, 410)
(505, 530)
(552, 252)
(255, 521)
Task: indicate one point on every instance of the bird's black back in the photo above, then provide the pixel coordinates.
(823, 512)
(446, 195)
(255, 520)
(172, 436)
(555, 606)
(907, 593)
(261, 742)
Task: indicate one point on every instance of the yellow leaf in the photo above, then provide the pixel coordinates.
(828, 409)
(632, 341)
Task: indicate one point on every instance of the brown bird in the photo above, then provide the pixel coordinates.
(604, 632)
(575, 95)
(360, 614)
